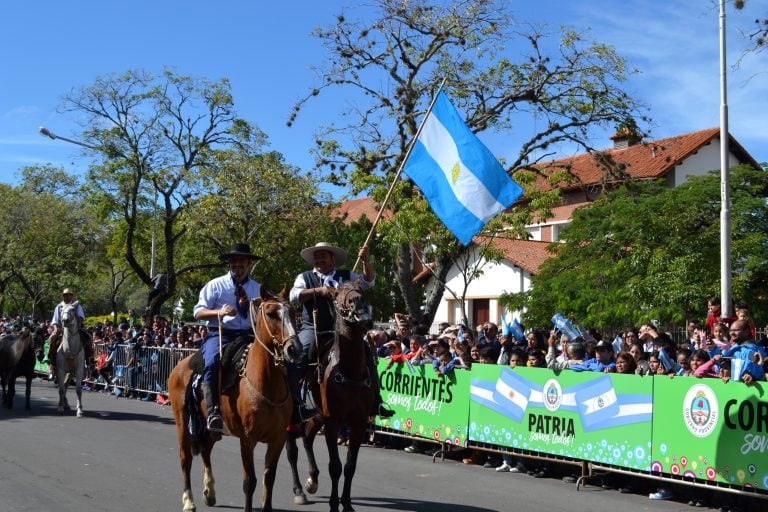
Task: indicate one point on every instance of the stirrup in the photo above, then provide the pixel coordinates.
(306, 413)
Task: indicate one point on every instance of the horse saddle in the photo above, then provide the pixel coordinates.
(233, 361)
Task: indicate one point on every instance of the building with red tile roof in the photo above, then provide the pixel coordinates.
(673, 159)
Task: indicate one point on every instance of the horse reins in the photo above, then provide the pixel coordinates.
(276, 353)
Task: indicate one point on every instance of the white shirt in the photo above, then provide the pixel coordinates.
(327, 280)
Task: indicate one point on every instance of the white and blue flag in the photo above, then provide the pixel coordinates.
(597, 402)
(460, 178)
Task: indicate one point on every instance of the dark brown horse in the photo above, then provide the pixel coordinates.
(17, 359)
(256, 409)
(344, 396)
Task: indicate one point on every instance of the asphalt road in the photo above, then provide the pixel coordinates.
(122, 456)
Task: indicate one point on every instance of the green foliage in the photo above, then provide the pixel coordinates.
(47, 241)
(645, 251)
(500, 77)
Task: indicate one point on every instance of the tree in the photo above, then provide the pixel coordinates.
(47, 241)
(645, 251)
(390, 67)
(257, 197)
(758, 36)
(153, 134)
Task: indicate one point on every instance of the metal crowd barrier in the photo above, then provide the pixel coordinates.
(147, 373)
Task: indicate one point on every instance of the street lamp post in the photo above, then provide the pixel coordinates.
(45, 132)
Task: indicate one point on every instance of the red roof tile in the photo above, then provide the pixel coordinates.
(562, 212)
(354, 209)
(526, 254)
(646, 160)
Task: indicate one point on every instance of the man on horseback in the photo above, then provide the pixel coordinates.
(315, 290)
(224, 302)
(67, 297)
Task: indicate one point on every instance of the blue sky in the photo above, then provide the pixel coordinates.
(49, 47)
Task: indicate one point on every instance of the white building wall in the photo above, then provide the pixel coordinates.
(704, 160)
(497, 278)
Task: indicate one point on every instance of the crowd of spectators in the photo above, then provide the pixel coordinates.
(727, 348)
(126, 352)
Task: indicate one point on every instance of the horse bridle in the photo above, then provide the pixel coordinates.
(347, 313)
(275, 352)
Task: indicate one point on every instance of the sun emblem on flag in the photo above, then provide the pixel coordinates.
(455, 170)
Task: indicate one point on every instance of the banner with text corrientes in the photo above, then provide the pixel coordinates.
(604, 418)
(426, 405)
(711, 430)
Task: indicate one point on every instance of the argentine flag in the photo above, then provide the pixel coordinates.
(460, 178)
(597, 403)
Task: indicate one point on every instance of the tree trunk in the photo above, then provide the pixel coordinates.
(435, 288)
(405, 280)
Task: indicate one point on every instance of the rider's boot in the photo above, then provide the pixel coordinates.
(212, 410)
(301, 411)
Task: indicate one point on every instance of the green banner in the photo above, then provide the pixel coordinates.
(426, 405)
(42, 366)
(710, 430)
(604, 418)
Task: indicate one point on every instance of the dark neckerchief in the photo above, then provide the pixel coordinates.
(241, 298)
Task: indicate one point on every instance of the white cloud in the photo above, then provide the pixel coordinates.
(21, 111)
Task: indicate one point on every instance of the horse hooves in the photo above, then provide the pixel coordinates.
(80, 413)
(300, 499)
(311, 486)
(347, 508)
(210, 499)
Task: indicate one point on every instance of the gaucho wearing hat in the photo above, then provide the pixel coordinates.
(225, 300)
(315, 291)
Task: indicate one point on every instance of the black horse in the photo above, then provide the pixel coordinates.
(17, 358)
(344, 395)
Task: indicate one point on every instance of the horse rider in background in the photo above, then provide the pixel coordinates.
(67, 297)
(225, 300)
(315, 291)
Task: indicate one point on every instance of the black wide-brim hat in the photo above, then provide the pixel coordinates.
(239, 250)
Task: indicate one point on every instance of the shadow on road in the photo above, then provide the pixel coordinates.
(407, 504)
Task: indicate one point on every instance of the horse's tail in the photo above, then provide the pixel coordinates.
(193, 415)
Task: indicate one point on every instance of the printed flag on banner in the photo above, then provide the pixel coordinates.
(460, 178)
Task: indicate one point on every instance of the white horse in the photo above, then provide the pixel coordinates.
(70, 357)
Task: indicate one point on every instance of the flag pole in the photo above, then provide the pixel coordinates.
(400, 170)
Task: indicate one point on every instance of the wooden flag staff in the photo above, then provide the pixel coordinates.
(400, 171)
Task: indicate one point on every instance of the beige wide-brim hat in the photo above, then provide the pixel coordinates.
(67, 291)
(339, 254)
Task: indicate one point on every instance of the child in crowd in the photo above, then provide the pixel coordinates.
(742, 313)
(684, 362)
(654, 364)
(395, 353)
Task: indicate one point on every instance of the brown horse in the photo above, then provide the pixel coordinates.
(255, 409)
(345, 396)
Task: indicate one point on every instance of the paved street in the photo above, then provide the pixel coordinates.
(122, 456)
